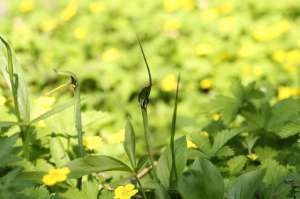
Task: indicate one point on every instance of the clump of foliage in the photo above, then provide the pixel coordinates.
(220, 162)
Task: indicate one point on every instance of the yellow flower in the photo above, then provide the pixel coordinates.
(225, 8)
(48, 25)
(172, 26)
(216, 116)
(188, 5)
(55, 175)
(203, 49)
(117, 138)
(293, 57)
(204, 133)
(110, 55)
(190, 144)
(279, 56)
(125, 192)
(70, 11)
(96, 7)
(80, 33)
(171, 5)
(209, 14)
(2, 100)
(41, 124)
(252, 156)
(168, 83)
(26, 5)
(290, 68)
(206, 84)
(286, 92)
(265, 34)
(92, 142)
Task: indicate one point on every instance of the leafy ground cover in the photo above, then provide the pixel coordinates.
(89, 111)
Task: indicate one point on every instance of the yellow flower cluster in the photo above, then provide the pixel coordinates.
(286, 92)
(190, 144)
(178, 5)
(55, 175)
(70, 11)
(289, 59)
(206, 84)
(252, 156)
(26, 6)
(269, 33)
(227, 24)
(168, 83)
(92, 142)
(212, 13)
(248, 49)
(125, 192)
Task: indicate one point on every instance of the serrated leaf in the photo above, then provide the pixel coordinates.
(221, 138)
(202, 181)
(236, 164)
(228, 107)
(225, 151)
(289, 129)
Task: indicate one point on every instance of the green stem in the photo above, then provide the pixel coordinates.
(141, 187)
(148, 139)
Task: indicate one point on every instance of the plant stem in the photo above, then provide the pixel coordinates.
(148, 139)
(172, 137)
(141, 187)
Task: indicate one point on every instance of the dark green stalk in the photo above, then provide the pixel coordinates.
(147, 136)
(174, 176)
(141, 187)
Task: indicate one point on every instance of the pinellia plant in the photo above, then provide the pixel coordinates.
(184, 169)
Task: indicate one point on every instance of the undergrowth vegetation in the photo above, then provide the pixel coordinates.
(77, 122)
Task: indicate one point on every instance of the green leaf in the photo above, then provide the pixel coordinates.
(7, 151)
(36, 193)
(53, 111)
(289, 129)
(89, 191)
(160, 192)
(202, 181)
(246, 185)
(14, 77)
(236, 164)
(94, 164)
(164, 164)
(58, 153)
(129, 143)
(227, 106)
(220, 139)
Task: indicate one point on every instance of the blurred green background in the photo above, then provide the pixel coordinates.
(209, 42)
